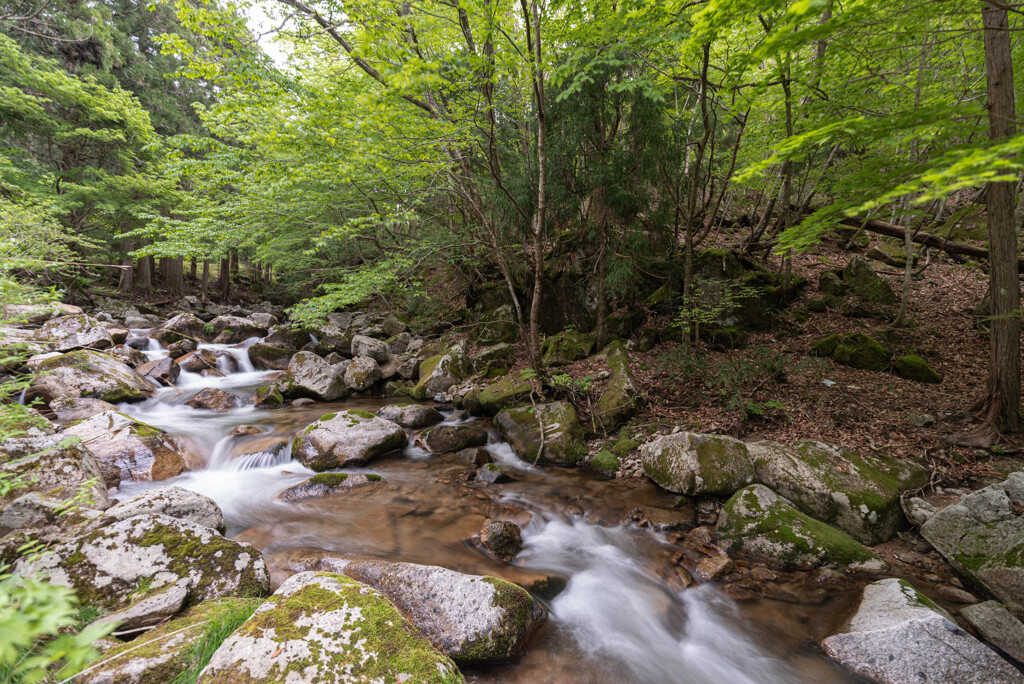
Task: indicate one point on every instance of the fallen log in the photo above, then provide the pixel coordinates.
(926, 239)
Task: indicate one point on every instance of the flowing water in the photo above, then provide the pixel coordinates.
(615, 621)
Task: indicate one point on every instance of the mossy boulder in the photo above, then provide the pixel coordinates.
(830, 283)
(411, 415)
(161, 654)
(188, 325)
(472, 619)
(174, 502)
(859, 494)
(346, 438)
(495, 356)
(310, 377)
(825, 346)
(511, 390)
(362, 373)
(113, 566)
(268, 396)
(67, 333)
(982, 536)
(858, 350)
(495, 326)
(862, 280)
(139, 451)
(913, 367)
(606, 462)
(691, 463)
(87, 373)
(620, 399)
(898, 635)
(326, 484)
(324, 627)
(439, 373)
(648, 339)
(562, 434)
(267, 357)
(54, 466)
(450, 438)
(566, 347)
(758, 522)
(234, 329)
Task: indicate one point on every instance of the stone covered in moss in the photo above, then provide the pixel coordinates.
(267, 357)
(54, 466)
(113, 566)
(511, 390)
(493, 357)
(439, 373)
(411, 415)
(758, 522)
(87, 373)
(898, 635)
(323, 627)
(160, 655)
(913, 367)
(188, 325)
(268, 396)
(825, 346)
(495, 327)
(79, 331)
(326, 484)
(566, 347)
(692, 463)
(563, 436)
(234, 329)
(174, 502)
(445, 439)
(982, 536)
(859, 494)
(362, 373)
(858, 350)
(866, 284)
(346, 438)
(309, 376)
(138, 450)
(605, 461)
(620, 399)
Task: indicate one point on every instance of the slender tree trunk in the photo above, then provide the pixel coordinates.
(127, 276)
(176, 283)
(206, 278)
(225, 280)
(146, 274)
(192, 269)
(1000, 407)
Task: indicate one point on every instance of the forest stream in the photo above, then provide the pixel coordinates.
(614, 621)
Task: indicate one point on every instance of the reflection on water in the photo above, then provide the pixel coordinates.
(614, 622)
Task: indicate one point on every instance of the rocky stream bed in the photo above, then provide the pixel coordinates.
(406, 521)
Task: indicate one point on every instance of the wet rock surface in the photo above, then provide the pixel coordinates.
(138, 450)
(346, 438)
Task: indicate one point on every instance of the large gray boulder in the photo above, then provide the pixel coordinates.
(110, 567)
(898, 636)
(87, 373)
(362, 374)
(326, 628)
(439, 373)
(993, 622)
(859, 494)
(620, 399)
(411, 415)
(368, 346)
(233, 329)
(174, 502)
(326, 484)
(695, 464)
(186, 324)
(309, 376)
(138, 450)
(758, 522)
(54, 466)
(982, 536)
(78, 408)
(346, 438)
(67, 333)
(472, 619)
(562, 434)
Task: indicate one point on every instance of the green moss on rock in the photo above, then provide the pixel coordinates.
(913, 367)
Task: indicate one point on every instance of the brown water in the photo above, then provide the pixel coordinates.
(615, 621)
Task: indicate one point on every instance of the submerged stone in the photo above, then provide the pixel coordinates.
(326, 484)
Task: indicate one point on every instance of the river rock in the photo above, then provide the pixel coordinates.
(411, 415)
(450, 438)
(368, 346)
(203, 360)
(160, 655)
(566, 347)
(53, 466)
(620, 399)
(213, 399)
(234, 329)
(310, 376)
(108, 567)
(266, 357)
(563, 436)
(152, 609)
(173, 502)
(87, 373)
(164, 371)
(34, 314)
(325, 484)
(694, 464)
(496, 326)
(67, 333)
(898, 636)
(327, 628)
(997, 626)
(362, 374)
(758, 522)
(78, 408)
(859, 494)
(132, 358)
(346, 438)
(503, 538)
(188, 325)
(490, 473)
(264, 320)
(180, 348)
(470, 618)
(439, 373)
(288, 338)
(140, 451)
(510, 391)
(982, 537)
(268, 396)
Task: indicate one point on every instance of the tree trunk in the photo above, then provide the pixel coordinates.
(225, 280)
(192, 269)
(206, 278)
(176, 276)
(540, 211)
(1000, 407)
(146, 274)
(127, 276)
